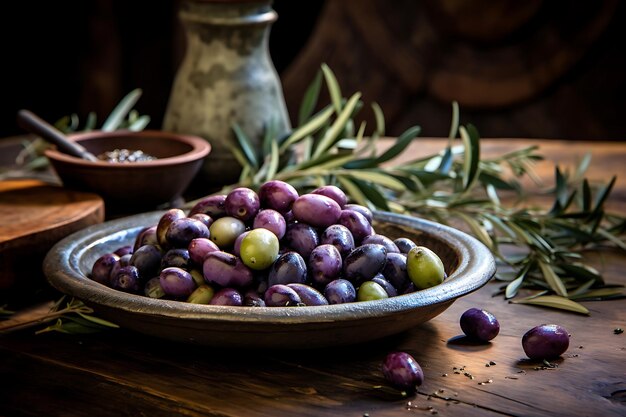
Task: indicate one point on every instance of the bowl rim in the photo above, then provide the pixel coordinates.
(61, 267)
(200, 149)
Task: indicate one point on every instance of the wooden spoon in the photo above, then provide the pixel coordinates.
(34, 124)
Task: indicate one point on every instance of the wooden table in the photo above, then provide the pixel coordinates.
(122, 373)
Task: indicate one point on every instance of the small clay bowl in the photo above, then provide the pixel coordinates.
(134, 186)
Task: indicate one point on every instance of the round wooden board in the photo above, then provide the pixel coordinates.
(33, 217)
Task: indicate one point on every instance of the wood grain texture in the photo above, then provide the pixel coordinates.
(34, 216)
(122, 373)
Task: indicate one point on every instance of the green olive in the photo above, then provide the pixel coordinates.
(201, 295)
(424, 267)
(225, 230)
(259, 249)
(371, 290)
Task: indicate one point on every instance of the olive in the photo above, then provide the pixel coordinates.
(242, 203)
(277, 195)
(386, 285)
(224, 231)
(227, 297)
(479, 324)
(394, 270)
(364, 262)
(402, 371)
(333, 192)
(309, 296)
(340, 291)
(271, 220)
(153, 288)
(176, 257)
(290, 267)
(177, 282)
(404, 244)
(324, 264)
(147, 236)
(259, 249)
(371, 290)
(280, 295)
(201, 295)
(199, 248)
(316, 210)
(381, 240)
(424, 267)
(126, 279)
(212, 205)
(357, 223)
(164, 223)
(546, 341)
(182, 231)
(147, 259)
(302, 238)
(366, 212)
(226, 270)
(340, 237)
(101, 269)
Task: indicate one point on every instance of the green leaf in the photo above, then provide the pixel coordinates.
(600, 293)
(603, 194)
(309, 101)
(274, 159)
(401, 143)
(477, 230)
(98, 320)
(372, 194)
(380, 121)
(552, 279)
(119, 113)
(310, 127)
(338, 125)
(379, 178)
(246, 146)
(470, 139)
(353, 191)
(91, 122)
(333, 87)
(139, 124)
(446, 161)
(554, 301)
(513, 287)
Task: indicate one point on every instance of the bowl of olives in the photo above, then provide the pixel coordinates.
(269, 268)
(134, 171)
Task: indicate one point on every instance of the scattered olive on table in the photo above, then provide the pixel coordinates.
(546, 341)
(402, 371)
(479, 325)
(271, 247)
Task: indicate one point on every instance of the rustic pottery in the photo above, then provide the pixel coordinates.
(226, 78)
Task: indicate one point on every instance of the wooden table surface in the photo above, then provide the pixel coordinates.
(122, 373)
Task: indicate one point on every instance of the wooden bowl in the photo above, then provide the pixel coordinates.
(469, 266)
(137, 186)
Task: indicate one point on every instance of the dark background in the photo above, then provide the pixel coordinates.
(557, 67)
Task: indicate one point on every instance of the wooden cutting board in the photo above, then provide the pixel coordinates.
(33, 217)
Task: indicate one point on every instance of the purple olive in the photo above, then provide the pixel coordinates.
(302, 238)
(227, 297)
(164, 222)
(309, 295)
(395, 272)
(364, 262)
(226, 270)
(386, 285)
(381, 240)
(316, 210)
(182, 231)
(147, 259)
(124, 250)
(340, 237)
(277, 195)
(546, 341)
(290, 267)
(402, 371)
(126, 279)
(366, 212)
(333, 192)
(252, 298)
(479, 324)
(204, 218)
(101, 269)
(147, 236)
(176, 257)
(404, 244)
(280, 295)
(199, 248)
(242, 203)
(356, 222)
(212, 205)
(324, 264)
(271, 220)
(340, 291)
(177, 282)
